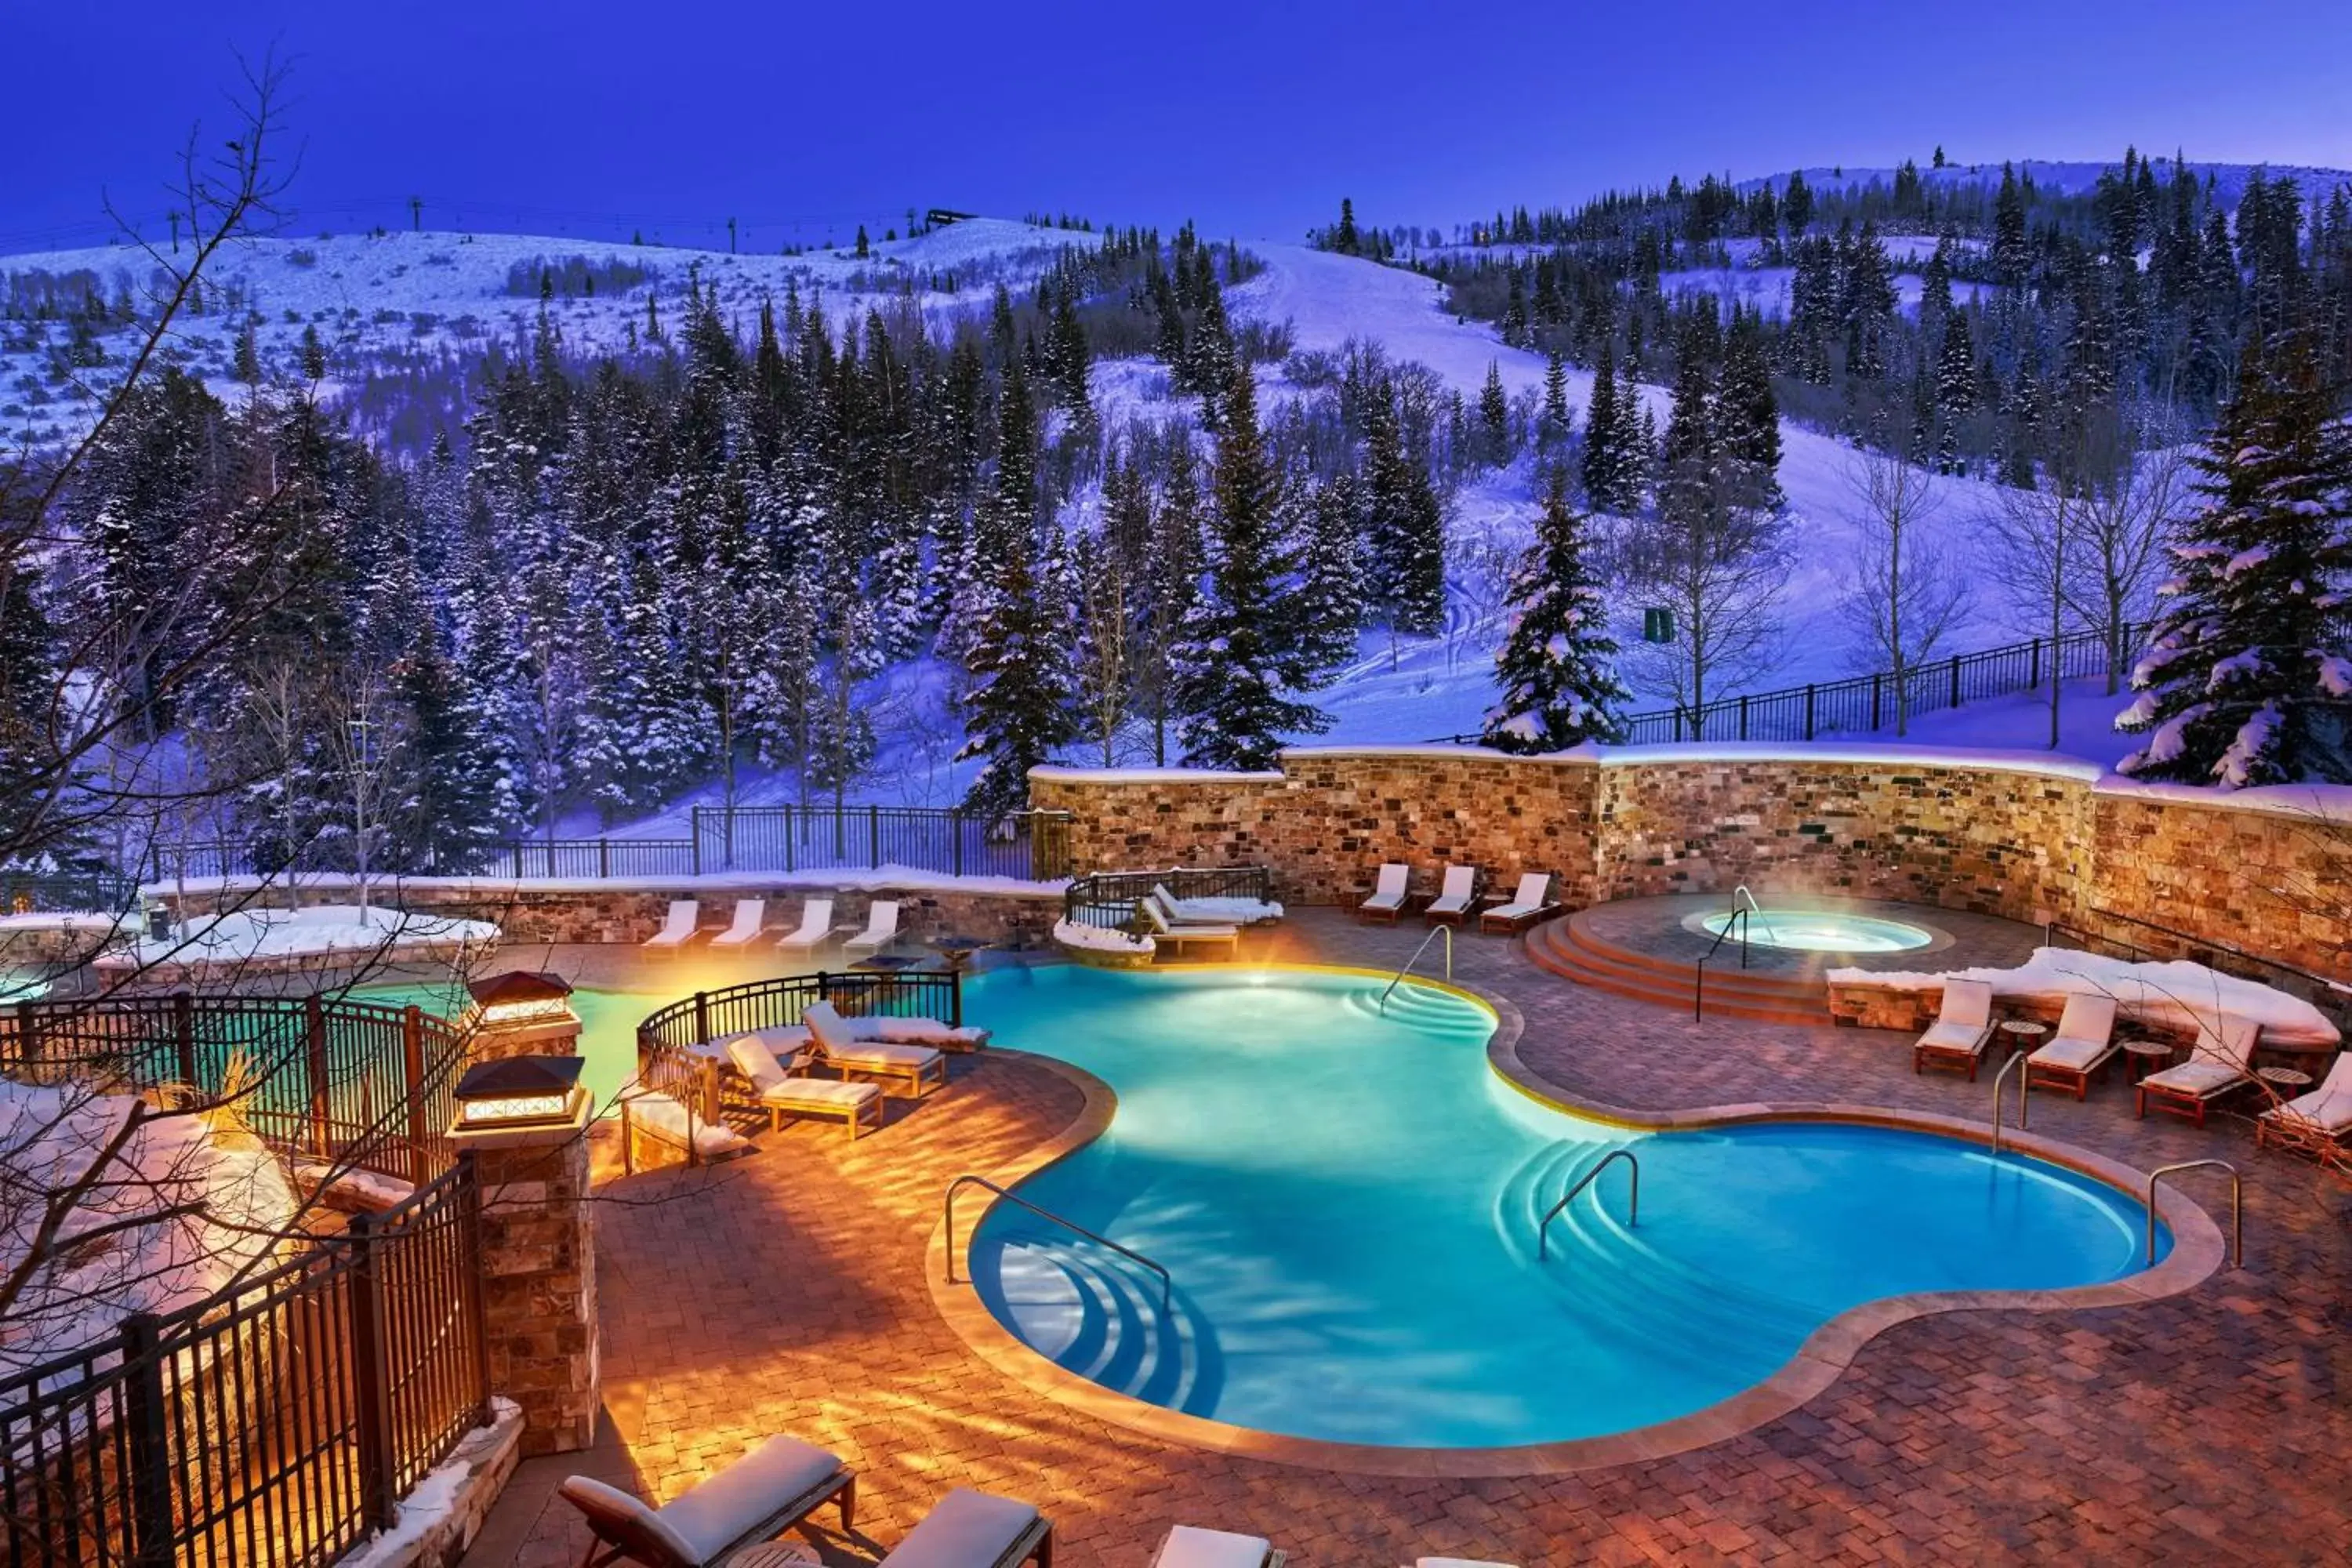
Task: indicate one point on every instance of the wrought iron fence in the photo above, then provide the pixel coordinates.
(355, 1083)
(276, 1423)
(1112, 897)
(34, 893)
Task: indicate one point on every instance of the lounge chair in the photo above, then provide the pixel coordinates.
(814, 931)
(913, 1066)
(745, 928)
(1165, 930)
(1189, 1546)
(2326, 1112)
(767, 1491)
(2085, 1043)
(1387, 897)
(2221, 1062)
(881, 929)
(1455, 896)
(1962, 1030)
(782, 1092)
(975, 1530)
(678, 926)
(1524, 908)
(1171, 911)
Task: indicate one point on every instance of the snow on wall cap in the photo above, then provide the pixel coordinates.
(1435, 749)
(1057, 775)
(2049, 764)
(2316, 803)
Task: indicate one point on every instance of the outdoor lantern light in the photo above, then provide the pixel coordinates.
(521, 1014)
(521, 1094)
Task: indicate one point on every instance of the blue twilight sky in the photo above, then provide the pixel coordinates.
(597, 118)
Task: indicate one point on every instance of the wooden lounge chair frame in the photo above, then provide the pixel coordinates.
(2192, 1103)
(1453, 917)
(861, 1115)
(1387, 914)
(616, 1537)
(1492, 919)
(1953, 1058)
(2059, 1075)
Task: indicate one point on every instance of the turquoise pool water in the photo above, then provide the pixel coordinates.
(1824, 930)
(608, 1025)
(1348, 1203)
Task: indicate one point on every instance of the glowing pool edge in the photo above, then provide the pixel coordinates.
(2198, 1250)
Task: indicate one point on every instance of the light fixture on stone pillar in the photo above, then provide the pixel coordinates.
(521, 1012)
(533, 1094)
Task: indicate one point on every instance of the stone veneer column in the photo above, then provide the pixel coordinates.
(539, 1283)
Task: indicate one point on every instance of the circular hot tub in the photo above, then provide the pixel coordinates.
(1818, 930)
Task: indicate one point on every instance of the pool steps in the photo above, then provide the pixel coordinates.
(1569, 949)
(1117, 1334)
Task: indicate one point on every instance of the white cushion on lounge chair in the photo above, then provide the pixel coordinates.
(714, 1515)
(1453, 895)
(1165, 927)
(598, 1500)
(2202, 1079)
(678, 926)
(881, 928)
(1944, 1036)
(968, 1530)
(844, 1049)
(1388, 889)
(2327, 1108)
(756, 1059)
(2085, 1036)
(749, 914)
(1190, 1546)
(1967, 1003)
(2230, 1044)
(815, 928)
(1528, 901)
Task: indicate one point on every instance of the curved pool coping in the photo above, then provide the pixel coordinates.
(2198, 1250)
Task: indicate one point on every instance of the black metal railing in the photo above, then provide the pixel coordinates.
(668, 1064)
(1867, 703)
(352, 1083)
(275, 1423)
(1113, 898)
(2143, 941)
(42, 892)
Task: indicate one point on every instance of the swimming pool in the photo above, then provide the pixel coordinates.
(1349, 1201)
(1824, 930)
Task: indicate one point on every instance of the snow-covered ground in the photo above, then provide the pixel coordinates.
(275, 938)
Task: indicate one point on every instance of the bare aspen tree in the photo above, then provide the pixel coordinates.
(1901, 591)
(1716, 557)
(2138, 489)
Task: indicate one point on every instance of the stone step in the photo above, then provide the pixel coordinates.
(1552, 947)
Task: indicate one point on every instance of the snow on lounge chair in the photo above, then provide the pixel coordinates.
(1387, 897)
(1189, 1546)
(2085, 1043)
(2221, 1062)
(881, 929)
(815, 928)
(836, 1047)
(1163, 929)
(2325, 1112)
(745, 928)
(1958, 1037)
(1451, 904)
(779, 1091)
(767, 1491)
(677, 927)
(1171, 909)
(1525, 907)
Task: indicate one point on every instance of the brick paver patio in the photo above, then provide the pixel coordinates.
(785, 1292)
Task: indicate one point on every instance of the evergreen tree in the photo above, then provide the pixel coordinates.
(1404, 527)
(1603, 431)
(1955, 388)
(1748, 413)
(1557, 668)
(1495, 418)
(446, 798)
(1555, 413)
(1344, 238)
(2011, 258)
(2248, 678)
(1328, 611)
(1237, 671)
(1172, 589)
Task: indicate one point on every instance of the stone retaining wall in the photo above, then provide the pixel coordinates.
(2013, 838)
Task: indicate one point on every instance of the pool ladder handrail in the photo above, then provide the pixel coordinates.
(1740, 892)
(2024, 1083)
(1167, 1281)
(1633, 1204)
(2237, 1206)
(1406, 968)
(1739, 918)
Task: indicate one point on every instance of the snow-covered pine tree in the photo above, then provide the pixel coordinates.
(1237, 674)
(1495, 418)
(1955, 388)
(1601, 469)
(1171, 589)
(1750, 415)
(1405, 526)
(1328, 611)
(1557, 669)
(2248, 677)
(1554, 430)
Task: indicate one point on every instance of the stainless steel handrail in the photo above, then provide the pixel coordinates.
(1167, 1281)
(1632, 1206)
(1398, 978)
(2015, 1062)
(1740, 892)
(2237, 1206)
(1698, 970)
